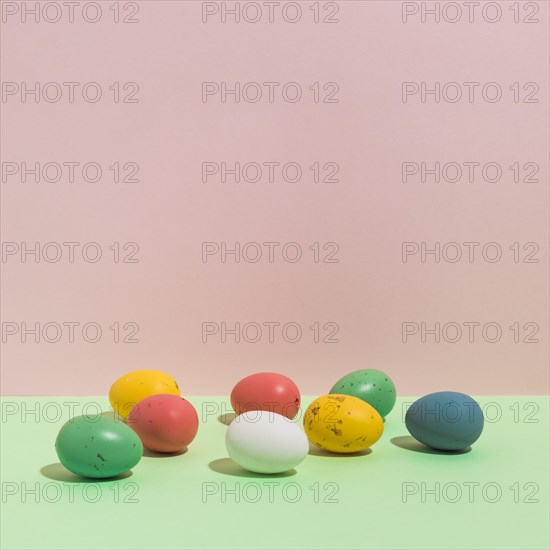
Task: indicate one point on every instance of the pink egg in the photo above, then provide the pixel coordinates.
(266, 391)
(164, 423)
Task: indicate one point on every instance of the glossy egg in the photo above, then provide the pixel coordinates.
(372, 386)
(446, 420)
(266, 442)
(342, 423)
(165, 423)
(98, 446)
(266, 391)
(131, 388)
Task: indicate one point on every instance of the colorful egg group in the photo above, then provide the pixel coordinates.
(262, 438)
(98, 446)
(342, 424)
(106, 447)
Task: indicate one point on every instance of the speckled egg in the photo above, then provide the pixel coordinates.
(372, 386)
(342, 423)
(131, 388)
(446, 420)
(98, 446)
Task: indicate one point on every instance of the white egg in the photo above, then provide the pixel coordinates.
(266, 442)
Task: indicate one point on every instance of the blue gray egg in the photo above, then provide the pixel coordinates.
(446, 420)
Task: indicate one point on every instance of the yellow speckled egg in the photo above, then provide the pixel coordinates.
(342, 423)
(137, 385)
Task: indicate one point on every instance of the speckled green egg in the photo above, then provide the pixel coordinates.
(372, 386)
(97, 446)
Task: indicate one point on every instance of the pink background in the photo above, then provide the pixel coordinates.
(370, 292)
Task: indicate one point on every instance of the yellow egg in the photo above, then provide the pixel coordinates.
(137, 385)
(342, 423)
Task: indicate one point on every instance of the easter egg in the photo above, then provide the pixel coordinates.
(97, 446)
(266, 391)
(266, 442)
(131, 388)
(165, 423)
(342, 423)
(372, 386)
(445, 420)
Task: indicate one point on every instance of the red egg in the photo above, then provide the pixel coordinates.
(165, 423)
(266, 391)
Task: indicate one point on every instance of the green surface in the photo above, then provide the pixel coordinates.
(384, 499)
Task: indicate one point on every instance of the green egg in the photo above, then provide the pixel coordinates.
(97, 446)
(372, 386)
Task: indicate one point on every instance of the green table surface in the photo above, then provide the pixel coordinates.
(400, 495)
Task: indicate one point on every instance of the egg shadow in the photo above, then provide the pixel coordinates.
(227, 467)
(154, 454)
(226, 418)
(411, 444)
(316, 451)
(58, 472)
